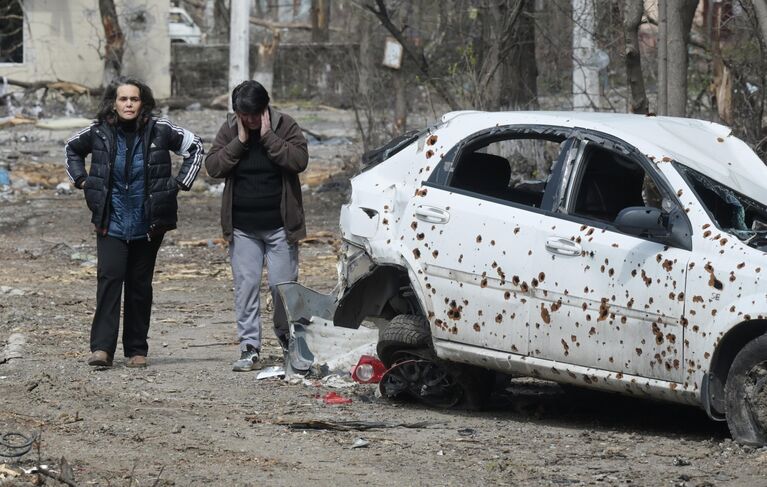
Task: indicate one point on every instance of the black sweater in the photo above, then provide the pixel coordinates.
(257, 191)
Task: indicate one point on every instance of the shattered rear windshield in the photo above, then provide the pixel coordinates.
(380, 154)
(731, 211)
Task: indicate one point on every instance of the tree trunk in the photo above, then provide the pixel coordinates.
(320, 20)
(363, 102)
(520, 70)
(115, 41)
(632, 11)
(239, 43)
(267, 53)
(274, 9)
(209, 17)
(221, 22)
(721, 85)
(662, 58)
(585, 74)
(402, 75)
(679, 15)
(488, 93)
(760, 7)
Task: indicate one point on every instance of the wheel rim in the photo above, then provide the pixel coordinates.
(756, 394)
(421, 379)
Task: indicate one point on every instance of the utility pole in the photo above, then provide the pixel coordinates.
(239, 43)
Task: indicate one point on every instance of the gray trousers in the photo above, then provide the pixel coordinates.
(249, 252)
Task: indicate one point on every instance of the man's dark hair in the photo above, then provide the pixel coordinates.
(249, 97)
(107, 112)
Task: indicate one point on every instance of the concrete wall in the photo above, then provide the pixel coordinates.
(301, 71)
(62, 40)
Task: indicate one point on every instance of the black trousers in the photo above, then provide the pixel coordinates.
(128, 265)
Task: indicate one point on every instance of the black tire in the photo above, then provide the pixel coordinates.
(745, 394)
(407, 337)
(404, 332)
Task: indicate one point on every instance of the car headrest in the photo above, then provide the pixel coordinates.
(478, 171)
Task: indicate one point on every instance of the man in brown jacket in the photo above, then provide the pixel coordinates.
(259, 151)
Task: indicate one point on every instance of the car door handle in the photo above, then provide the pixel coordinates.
(431, 214)
(564, 246)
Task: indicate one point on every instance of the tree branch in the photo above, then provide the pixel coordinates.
(379, 10)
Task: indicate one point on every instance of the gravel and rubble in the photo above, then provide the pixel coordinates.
(187, 419)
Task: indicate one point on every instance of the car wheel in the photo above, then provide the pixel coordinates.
(415, 370)
(746, 394)
(402, 333)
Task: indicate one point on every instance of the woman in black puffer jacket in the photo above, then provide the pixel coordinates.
(131, 192)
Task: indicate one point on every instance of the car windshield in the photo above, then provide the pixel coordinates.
(731, 211)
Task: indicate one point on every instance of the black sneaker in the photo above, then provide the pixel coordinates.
(248, 360)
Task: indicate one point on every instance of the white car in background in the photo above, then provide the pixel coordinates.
(182, 28)
(632, 262)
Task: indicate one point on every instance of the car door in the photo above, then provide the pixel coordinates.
(607, 299)
(473, 236)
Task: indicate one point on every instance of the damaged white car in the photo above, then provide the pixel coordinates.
(632, 261)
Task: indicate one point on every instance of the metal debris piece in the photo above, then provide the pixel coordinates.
(269, 372)
(360, 443)
(15, 444)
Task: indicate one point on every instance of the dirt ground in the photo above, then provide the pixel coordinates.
(188, 419)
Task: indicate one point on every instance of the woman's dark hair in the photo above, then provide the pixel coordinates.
(249, 97)
(107, 112)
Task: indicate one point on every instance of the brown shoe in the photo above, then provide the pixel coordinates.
(99, 358)
(136, 361)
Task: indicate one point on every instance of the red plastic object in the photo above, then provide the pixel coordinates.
(335, 398)
(368, 370)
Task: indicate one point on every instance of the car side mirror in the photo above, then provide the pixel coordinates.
(643, 221)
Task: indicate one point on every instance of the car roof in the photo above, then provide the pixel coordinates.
(707, 147)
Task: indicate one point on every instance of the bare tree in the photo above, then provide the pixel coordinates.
(414, 53)
(11, 32)
(115, 41)
(760, 8)
(520, 69)
(586, 92)
(632, 11)
(320, 20)
(674, 20)
(505, 72)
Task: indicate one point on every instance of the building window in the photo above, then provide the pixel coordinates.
(11, 32)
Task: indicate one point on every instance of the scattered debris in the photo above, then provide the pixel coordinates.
(65, 476)
(13, 348)
(320, 237)
(14, 121)
(368, 370)
(87, 260)
(63, 123)
(334, 398)
(206, 242)
(14, 444)
(318, 424)
(339, 349)
(63, 188)
(335, 381)
(10, 291)
(270, 372)
(6, 472)
(360, 443)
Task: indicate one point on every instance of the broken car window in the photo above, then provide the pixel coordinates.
(730, 210)
(608, 182)
(514, 170)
